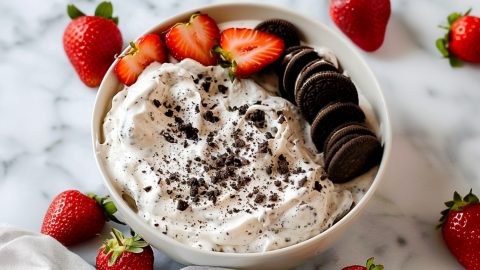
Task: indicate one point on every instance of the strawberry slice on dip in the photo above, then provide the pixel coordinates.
(143, 52)
(247, 51)
(194, 39)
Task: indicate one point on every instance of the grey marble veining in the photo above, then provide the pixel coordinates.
(45, 114)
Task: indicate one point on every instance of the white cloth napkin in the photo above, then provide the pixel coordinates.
(20, 250)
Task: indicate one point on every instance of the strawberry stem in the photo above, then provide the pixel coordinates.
(442, 44)
(453, 17)
(108, 207)
(133, 48)
(457, 204)
(104, 10)
(73, 12)
(226, 61)
(467, 12)
(119, 244)
(118, 236)
(442, 47)
(371, 266)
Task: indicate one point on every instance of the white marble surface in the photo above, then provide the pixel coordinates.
(45, 114)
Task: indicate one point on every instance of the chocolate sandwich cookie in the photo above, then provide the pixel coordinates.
(331, 117)
(296, 48)
(293, 68)
(316, 66)
(289, 54)
(344, 130)
(353, 158)
(283, 29)
(328, 154)
(324, 88)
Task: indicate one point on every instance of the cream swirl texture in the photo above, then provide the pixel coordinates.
(218, 165)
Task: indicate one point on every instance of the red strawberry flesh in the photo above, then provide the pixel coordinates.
(125, 253)
(465, 39)
(73, 217)
(369, 266)
(91, 44)
(461, 229)
(355, 267)
(194, 39)
(251, 50)
(143, 52)
(363, 21)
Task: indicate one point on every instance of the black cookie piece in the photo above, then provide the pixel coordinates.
(293, 68)
(327, 155)
(354, 158)
(331, 117)
(296, 48)
(343, 130)
(313, 67)
(283, 64)
(287, 56)
(324, 88)
(283, 29)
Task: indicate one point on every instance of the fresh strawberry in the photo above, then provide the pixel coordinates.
(124, 253)
(363, 21)
(73, 217)
(247, 51)
(460, 224)
(141, 53)
(194, 39)
(91, 42)
(369, 266)
(462, 41)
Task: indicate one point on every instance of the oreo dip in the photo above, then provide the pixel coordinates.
(220, 165)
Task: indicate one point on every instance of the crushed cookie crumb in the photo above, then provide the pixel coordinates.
(243, 109)
(208, 115)
(222, 88)
(259, 198)
(317, 186)
(257, 117)
(182, 205)
(282, 164)
(169, 113)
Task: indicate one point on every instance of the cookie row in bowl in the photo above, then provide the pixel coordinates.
(329, 102)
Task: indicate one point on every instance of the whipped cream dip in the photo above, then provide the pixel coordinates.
(220, 165)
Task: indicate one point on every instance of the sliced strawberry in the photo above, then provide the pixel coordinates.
(194, 39)
(142, 53)
(247, 50)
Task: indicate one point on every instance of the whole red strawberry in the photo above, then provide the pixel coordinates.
(369, 266)
(124, 253)
(363, 21)
(91, 42)
(460, 225)
(462, 41)
(73, 217)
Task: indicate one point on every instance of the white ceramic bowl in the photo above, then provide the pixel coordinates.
(314, 33)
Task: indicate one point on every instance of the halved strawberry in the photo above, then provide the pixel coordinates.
(194, 39)
(142, 53)
(247, 51)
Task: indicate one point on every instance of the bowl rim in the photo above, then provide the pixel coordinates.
(128, 213)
